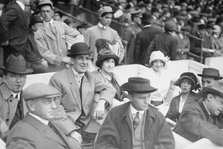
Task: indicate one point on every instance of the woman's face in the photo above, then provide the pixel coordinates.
(157, 65)
(185, 86)
(108, 65)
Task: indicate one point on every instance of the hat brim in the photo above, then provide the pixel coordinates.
(105, 57)
(216, 77)
(137, 89)
(183, 77)
(80, 53)
(28, 71)
(207, 90)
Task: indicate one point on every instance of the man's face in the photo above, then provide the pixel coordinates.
(44, 107)
(14, 82)
(215, 104)
(207, 81)
(106, 20)
(80, 63)
(140, 101)
(46, 13)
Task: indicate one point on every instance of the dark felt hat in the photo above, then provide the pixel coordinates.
(170, 26)
(16, 64)
(136, 13)
(201, 26)
(147, 18)
(40, 90)
(138, 85)
(190, 76)
(216, 88)
(35, 19)
(80, 48)
(210, 72)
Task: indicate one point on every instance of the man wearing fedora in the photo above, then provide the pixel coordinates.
(78, 88)
(11, 84)
(135, 124)
(37, 130)
(200, 119)
(209, 76)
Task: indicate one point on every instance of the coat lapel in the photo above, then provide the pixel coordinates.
(74, 87)
(23, 14)
(85, 86)
(49, 33)
(43, 129)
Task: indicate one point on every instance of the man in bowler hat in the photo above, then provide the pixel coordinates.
(135, 124)
(209, 76)
(11, 100)
(78, 88)
(37, 130)
(200, 119)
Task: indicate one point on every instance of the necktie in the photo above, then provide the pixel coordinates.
(136, 120)
(52, 28)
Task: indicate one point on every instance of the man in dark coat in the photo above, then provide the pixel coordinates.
(135, 124)
(15, 22)
(201, 119)
(144, 38)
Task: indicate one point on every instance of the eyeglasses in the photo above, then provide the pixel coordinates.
(45, 11)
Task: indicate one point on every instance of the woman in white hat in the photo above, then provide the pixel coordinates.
(158, 76)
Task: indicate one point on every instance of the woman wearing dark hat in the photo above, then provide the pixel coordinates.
(188, 83)
(106, 61)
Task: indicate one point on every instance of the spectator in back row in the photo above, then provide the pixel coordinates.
(51, 38)
(102, 30)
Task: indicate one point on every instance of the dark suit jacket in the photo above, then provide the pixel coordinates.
(116, 131)
(143, 40)
(30, 133)
(15, 22)
(73, 100)
(195, 123)
(173, 112)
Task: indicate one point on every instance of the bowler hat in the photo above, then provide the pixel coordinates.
(40, 90)
(105, 9)
(138, 85)
(80, 48)
(147, 18)
(16, 64)
(35, 19)
(191, 76)
(210, 72)
(216, 88)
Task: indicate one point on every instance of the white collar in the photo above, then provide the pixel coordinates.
(102, 26)
(47, 24)
(39, 118)
(134, 111)
(147, 25)
(76, 73)
(21, 5)
(15, 94)
(206, 108)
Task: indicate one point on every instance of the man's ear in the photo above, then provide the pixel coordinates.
(31, 105)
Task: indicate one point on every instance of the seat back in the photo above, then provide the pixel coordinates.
(196, 46)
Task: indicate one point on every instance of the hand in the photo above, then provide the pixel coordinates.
(75, 135)
(5, 43)
(44, 63)
(99, 110)
(3, 129)
(66, 60)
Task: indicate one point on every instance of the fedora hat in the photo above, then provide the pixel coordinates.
(34, 20)
(210, 72)
(216, 88)
(16, 64)
(45, 2)
(80, 48)
(138, 85)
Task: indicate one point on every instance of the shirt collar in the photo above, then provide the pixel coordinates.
(16, 94)
(102, 26)
(147, 26)
(134, 111)
(39, 118)
(76, 73)
(21, 5)
(47, 24)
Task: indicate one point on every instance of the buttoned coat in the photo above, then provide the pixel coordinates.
(195, 123)
(53, 48)
(30, 133)
(66, 83)
(15, 22)
(8, 105)
(116, 131)
(173, 112)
